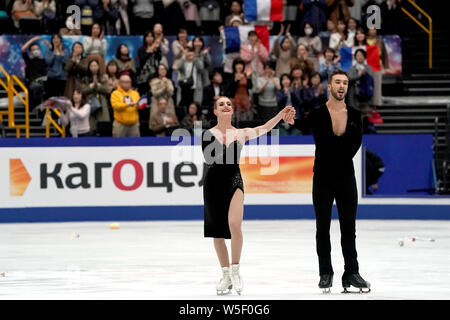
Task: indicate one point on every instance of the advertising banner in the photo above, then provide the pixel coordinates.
(147, 175)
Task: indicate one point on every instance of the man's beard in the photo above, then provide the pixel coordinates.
(335, 95)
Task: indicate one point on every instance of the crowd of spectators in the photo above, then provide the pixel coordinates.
(107, 95)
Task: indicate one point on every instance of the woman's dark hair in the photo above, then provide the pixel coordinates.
(236, 62)
(284, 39)
(297, 67)
(284, 75)
(89, 73)
(313, 33)
(356, 21)
(99, 26)
(112, 62)
(336, 72)
(330, 50)
(212, 74)
(119, 55)
(199, 38)
(240, 4)
(30, 48)
(165, 67)
(345, 30)
(361, 30)
(73, 46)
(55, 35)
(362, 51)
(198, 108)
(314, 74)
(181, 30)
(271, 64)
(144, 42)
(83, 96)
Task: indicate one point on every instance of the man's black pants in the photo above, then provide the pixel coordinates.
(326, 189)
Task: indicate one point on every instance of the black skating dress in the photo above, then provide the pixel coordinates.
(222, 179)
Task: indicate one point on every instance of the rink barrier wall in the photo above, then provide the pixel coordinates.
(251, 212)
(408, 206)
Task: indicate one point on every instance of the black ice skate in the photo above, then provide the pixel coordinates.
(326, 282)
(356, 281)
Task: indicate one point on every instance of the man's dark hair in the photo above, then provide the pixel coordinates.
(271, 64)
(362, 51)
(336, 72)
(30, 48)
(252, 33)
(330, 50)
(212, 74)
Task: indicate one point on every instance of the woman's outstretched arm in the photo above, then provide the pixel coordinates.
(287, 114)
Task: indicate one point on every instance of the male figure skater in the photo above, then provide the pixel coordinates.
(337, 132)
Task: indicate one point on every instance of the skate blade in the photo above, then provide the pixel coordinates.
(224, 293)
(361, 291)
(326, 290)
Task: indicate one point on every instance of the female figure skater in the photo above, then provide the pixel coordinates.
(223, 190)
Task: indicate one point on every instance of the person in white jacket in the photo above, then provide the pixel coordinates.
(77, 115)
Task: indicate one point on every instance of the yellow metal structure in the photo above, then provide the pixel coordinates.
(428, 30)
(6, 86)
(9, 86)
(49, 120)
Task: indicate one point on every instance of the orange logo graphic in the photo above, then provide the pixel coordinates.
(293, 175)
(19, 178)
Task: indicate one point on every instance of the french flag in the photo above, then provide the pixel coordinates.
(236, 36)
(143, 102)
(372, 57)
(263, 10)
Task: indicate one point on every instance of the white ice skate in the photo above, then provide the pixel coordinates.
(236, 278)
(224, 286)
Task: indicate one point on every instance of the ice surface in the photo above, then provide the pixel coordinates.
(172, 260)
